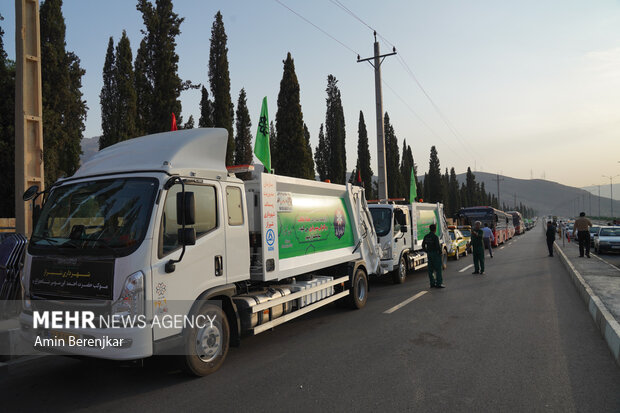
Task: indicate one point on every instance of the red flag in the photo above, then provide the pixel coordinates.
(359, 177)
(173, 126)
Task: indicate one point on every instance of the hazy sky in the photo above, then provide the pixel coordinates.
(528, 87)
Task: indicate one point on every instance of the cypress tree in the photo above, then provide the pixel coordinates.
(64, 111)
(394, 177)
(453, 192)
(434, 177)
(243, 138)
(445, 181)
(126, 98)
(309, 161)
(108, 99)
(335, 134)
(470, 187)
(190, 123)
(7, 131)
(144, 89)
(363, 157)
(206, 109)
(157, 63)
(219, 79)
(275, 159)
(291, 143)
(321, 155)
(405, 171)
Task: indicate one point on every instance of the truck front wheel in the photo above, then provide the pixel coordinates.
(207, 342)
(400, 274)
(359, 289)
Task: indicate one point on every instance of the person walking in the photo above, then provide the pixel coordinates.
(488, 238)
(582, 227)
(550, 237)
(432, 247)
(477, 242)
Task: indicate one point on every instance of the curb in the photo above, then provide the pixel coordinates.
(606, 323)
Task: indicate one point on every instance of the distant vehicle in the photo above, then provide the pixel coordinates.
(518, 222)
(496, 219)
(510, 228)
(594, 229)
(466, 231)
(608, 240)
(459, 244)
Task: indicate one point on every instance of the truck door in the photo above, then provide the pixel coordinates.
(202, 266)
(237, 235)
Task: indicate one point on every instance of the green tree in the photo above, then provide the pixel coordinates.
(157, 66)
(434, 177)
(144, 89)
(7, 131)
(309, 160)
(64, 111)
(273, 138)
(126, 98)
(108, 99)
(243, 138)
(453, 193)
(335, 134)
(190, 123)
(321, 155)
(395, 180)
(206, 109)
(406, 163)
(219, 79)
(363, 157)
(470, 188)
(291, 143)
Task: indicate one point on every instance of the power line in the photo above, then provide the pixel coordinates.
(316, 27)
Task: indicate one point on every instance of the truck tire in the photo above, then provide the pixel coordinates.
(358, 294)
(456, 254)
(465, 253)
(206, 347)
(399, 275)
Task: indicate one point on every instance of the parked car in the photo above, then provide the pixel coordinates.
(594, 229)
(608, 240)
(466, 231)
(459, 244)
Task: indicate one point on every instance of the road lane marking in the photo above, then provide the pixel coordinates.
(465, 269)
(501, 248)
(404, 303)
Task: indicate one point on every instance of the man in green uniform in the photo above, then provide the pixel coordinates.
(432, 247)
(477, 242)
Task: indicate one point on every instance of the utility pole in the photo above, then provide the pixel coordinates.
(499, 204)
(375, 62)
(28, 110)
(611, 187)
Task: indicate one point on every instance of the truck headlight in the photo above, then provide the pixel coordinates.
(131, 301)
(387, 251)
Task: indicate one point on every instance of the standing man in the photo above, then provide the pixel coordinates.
(432, 247)
(550, 237)
(477, 242)
(582, 225)
(488, 238)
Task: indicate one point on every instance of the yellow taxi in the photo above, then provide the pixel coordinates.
(459, 244)
(466, 231)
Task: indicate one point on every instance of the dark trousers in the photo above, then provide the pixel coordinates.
(550, 246)
(478, 260)
(488, 245)
(435, 265)
(584, 241)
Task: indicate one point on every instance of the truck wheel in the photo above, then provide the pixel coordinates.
(456, 255)
(206, 344)
(359, 289)
(465, 253)
(400, 274)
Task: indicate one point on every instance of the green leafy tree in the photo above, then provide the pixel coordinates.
(363, 158)
(64, 110)
(7, 131)
(108, 99)
(206, 109)
(273, 145)
(190, 123)
(395, 179)
(219, 79)
(434, 177)
(335, 134)
(243, 138)
(406, 164)
(470, 188)
(157, 66)
(453, 193)
(291, 143)
(309, 161)
(321, 156)
(127, 100)
(144, 89)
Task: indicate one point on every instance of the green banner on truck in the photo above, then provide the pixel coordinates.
(428, 217)
(311, 224)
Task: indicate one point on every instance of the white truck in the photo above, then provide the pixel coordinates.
(401, 229)
(156, 227)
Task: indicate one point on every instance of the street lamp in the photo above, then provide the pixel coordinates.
(611, 187)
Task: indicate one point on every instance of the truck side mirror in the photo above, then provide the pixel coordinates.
(189, 212)
(30, 193)
(187, 236)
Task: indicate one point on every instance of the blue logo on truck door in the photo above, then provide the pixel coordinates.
(270, 237)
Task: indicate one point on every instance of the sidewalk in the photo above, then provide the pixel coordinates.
(598, 283)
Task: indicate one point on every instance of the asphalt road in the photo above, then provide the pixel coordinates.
(516, 339)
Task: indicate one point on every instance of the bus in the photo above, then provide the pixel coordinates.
(497, 220)
(510, 224)
(517, 220)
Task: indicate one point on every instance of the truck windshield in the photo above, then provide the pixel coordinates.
(107, 216)
(382, 218)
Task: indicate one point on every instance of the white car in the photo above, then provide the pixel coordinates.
(608, 240)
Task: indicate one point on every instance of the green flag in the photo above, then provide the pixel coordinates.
(413, 191)
(261, 146)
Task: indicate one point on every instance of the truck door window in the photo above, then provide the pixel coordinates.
(234, 205)
(206, 215)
